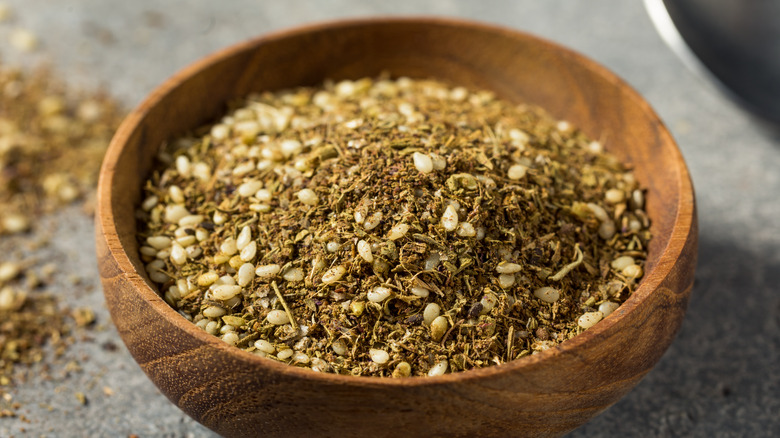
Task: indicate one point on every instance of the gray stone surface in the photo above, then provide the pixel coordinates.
(721, 377)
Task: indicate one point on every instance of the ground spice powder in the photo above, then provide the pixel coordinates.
(52, 141)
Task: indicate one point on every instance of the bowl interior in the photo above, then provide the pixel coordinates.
(517, 67)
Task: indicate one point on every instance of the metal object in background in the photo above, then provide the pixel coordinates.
(734, 43)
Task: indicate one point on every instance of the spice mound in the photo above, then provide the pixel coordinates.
(385, 227)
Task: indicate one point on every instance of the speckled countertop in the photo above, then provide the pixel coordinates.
(721, 377)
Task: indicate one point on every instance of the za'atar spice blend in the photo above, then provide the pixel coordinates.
(384, 227)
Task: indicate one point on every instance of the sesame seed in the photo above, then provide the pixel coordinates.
(432, 261)
(277, 317)
(422, 162)
(466, 229)
(379, 356)
(505, 281)
(290, 147)
(158, 277)
(249, 251)
(379, 294)
(267, 271)
(632, 271)
(246, 273)
(449, 220)
(15, 223)
(595, 147)
(260, 208)
(177, 196)
(183, 166)
(300, 357)
(438, 162)
(284, 354)
(293, 275)
(148, 251)
(190, 220)
(249, 188)
(403, 369)
(459, 94)
(438, 369)
(364, 250)
(159, 242)
(398, 231)
(220, 132)
(622, 262)
(201, 234)
(420, 292)
(264, 346)
(229, 246)
(589, 319)
(213, 312)
(226, 279)
(505, 267)
(614, 196)
(174, 213)
(607, 230)
(211, 327)
(308, 197)
(207, 278)
(225, 291)
(219, 218)
(638, 198)
(372, 221)
(333, 275)
(178, 255)
(244, 237)
(263, 195)
(332, 246)
(149, 203)
(516, 172)
(598, 211)
(607, 307)
(430, 313)
(353, 124)
(186, 240)
(488, 302)
(439, 327)
(339, 347)
(230, 338)
(547, 294)
(201, 171)
(519, 138)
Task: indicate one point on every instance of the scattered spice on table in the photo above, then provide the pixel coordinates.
(52, 141)
(384, 227)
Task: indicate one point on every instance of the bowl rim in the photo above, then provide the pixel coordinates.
(684, 221)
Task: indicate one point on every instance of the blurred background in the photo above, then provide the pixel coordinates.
(719, 378)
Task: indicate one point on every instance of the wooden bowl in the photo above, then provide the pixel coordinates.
(238, 394)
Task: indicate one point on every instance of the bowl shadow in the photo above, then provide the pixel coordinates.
(721, 376)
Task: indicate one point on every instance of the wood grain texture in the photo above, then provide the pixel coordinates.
(238, 394)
